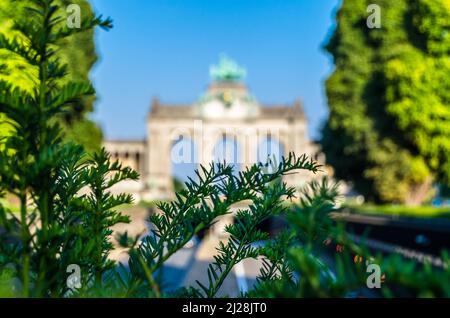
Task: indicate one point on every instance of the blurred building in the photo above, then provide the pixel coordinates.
(226, 111)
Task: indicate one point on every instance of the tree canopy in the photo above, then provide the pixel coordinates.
(77, 51)
(388, 130)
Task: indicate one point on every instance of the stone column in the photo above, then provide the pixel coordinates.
(206, 150)
(248, 141)
(159, 164)
(298, 143)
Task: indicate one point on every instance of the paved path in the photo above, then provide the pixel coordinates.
(198, 270)
(189, 264)
(138, 226)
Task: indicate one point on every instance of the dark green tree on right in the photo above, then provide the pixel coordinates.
(388, 131)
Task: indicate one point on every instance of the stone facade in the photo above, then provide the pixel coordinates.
(227, 110)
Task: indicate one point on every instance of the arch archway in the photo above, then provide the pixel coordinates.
(227, 150)
(270, 148)
(184, 158)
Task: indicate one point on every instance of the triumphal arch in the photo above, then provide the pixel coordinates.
(226, 111)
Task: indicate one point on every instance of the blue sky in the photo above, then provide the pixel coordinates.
(164, 48)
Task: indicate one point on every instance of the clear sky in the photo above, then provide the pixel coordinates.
(164, 48)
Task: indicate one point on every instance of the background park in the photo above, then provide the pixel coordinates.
(370, 219)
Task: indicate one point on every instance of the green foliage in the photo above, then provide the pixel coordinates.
(177, 185)
(77, 52)
(84, 132)
(444, 191)
(198, 206)
(298, 264)
(66, 211)
(300, 269)
(388, 129)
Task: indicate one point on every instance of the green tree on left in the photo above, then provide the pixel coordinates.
(77, 51)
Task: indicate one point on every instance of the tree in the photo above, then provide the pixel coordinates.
(388, 131)
(198, 206)
(66, 209)
(77, 51)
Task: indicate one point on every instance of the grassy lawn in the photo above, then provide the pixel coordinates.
(399, 210)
